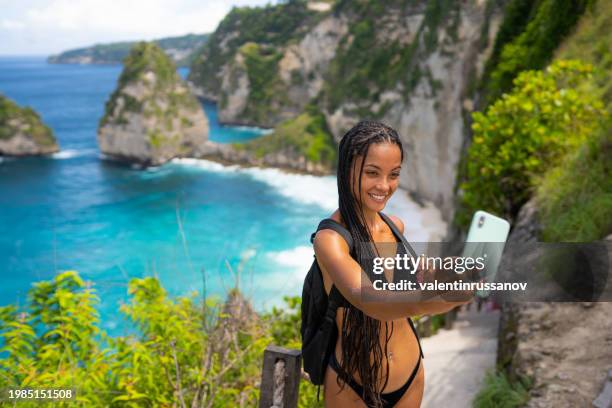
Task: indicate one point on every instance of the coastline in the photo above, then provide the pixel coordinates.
(423, 223)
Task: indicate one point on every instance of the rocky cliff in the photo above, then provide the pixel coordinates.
(564, 349)
(22, 132)
(408, 64)
(152, 116)
(301, 144)
(263, 65)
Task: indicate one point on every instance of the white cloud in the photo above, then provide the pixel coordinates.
(11, 25)
(55, 25)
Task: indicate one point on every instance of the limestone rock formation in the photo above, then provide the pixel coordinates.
(266, 74)
(152, 116)
(411, 65)
(22, 132)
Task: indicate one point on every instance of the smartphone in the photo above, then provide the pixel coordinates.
(486, 239)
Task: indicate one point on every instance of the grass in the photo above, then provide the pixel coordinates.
(500, 392)
(575, 198)
(307, 135)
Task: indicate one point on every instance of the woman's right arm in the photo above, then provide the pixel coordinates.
(332, 253)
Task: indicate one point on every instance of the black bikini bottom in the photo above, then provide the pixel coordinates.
(389, 399)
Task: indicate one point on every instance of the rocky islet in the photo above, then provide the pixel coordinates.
(152, 116)
(22, 131)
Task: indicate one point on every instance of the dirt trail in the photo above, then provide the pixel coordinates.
(456, 360)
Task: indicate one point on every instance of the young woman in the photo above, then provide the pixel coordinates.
(377, 353)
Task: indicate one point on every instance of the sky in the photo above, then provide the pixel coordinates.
(39, 27)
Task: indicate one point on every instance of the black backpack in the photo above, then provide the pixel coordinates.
(319, 331)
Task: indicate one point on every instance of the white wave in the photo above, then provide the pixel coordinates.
(71, 153)
(207, 165)
(288, 276)
(255, 129)
(307, 189)
(421, 223)
(296, 257)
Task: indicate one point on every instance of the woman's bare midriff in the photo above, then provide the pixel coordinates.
(402, 354)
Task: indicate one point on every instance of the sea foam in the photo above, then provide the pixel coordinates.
(71, 153)
(304, 188)
(421, 223)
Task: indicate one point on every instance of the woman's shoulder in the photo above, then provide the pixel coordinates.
(326, 237)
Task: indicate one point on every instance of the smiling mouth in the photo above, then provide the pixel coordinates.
(378, 197)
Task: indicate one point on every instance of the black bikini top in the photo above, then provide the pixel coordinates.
(403, 246)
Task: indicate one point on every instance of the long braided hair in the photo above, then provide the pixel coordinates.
(361, 333)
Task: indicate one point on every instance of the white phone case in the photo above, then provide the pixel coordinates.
(486, 238)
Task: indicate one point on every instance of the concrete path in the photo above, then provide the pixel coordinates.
(456, 360)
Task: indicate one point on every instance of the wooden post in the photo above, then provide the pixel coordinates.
(280, 378)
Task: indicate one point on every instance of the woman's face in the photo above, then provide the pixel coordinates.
(380, 177)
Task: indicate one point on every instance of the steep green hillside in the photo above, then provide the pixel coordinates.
(305, 136)
(270, 27)
(576, 198)
(527, 39)
(360, 77)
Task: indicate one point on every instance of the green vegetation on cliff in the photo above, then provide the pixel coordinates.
(591, 43)
(270, 26)
(114, 53)
(306, 135)
(524, 134)
(23, 120)
(575, 198)
(149, 66)
(361, 77)
(266, 87)
(527, 39)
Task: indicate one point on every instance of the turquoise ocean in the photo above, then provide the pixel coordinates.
(181, 222)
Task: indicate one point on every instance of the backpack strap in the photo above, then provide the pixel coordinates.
(329, 223)
(399, 235)
(335, 298)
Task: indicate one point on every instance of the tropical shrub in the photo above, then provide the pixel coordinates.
(525, 133)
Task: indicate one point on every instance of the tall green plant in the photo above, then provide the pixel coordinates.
(52, 343)
(183, 353)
